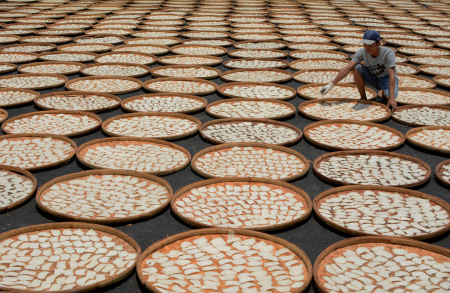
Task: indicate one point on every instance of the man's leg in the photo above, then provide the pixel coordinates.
(359, 81)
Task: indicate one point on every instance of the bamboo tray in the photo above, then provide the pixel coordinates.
(351, 201)
(389, 245)
(383, 108)
(133, 131)
(281, 64)
(175, 50)
(416, 59)
(418, 124)
(260, 149)
(180, 79)
(3, 115)
(85, 69)
(9, 57)
(75, 47)
(6, 127)
(23, 68)
(432, 84)
(330, 54)
(174, 242)
(201, 60)
(255, 36)
(7, 67)
(62, 79)
(67, 214)
(297, 65)
(297, 76)
(180, 199)
(154, 34)
(157, 49)
(9, 39)
(276, 44)
(126, 141)
(7, 98)
(81, 39)
(137, 84)
(59, 32)
(271, 72)
(289, 108)
(153, 41)
(113, 101)
(446, 102)
(420, 165)
(230, 121)
(404, 50)
(223, 87)
(430, 148)
(118, 238)
(262, 53)
(329, 146)
(316, 46)
(215, 42)
(147, 59)
(28, 136)
(439, 173)
(88, 57)
(439, 80)
(424, 69)
(199, 103)
(215, 73)
(47, 47)
(18, 202)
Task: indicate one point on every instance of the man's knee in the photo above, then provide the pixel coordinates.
(358, 69)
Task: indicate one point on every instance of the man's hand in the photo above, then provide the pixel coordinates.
(325, 89)
(393, 104)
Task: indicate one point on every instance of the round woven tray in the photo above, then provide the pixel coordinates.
(97, 59)
(181, 79)
(219, 181)
(5, 114)
(251, 100)
(42, 56)
(17, 90)
(282, 44)
(291, 46)
(56, 112)
(13, 39)
(89, 37)
(146, 68)
(31, 55)
(439, 173)
(21, 68)
(122, 48)
(24, 173)
(344, 121)
(193, 110)
(193, 41)
(438, 80)
(73, 176)
(11, 69)
(51, 47)
(221, 89)
(214, 231)
(440, 92)
(75, 47)
(242, 36)
(165, 60)
(444, 108)
(432, 82)
(318, 266)
(154, 71)
(423, 69)
(59, 32)
(344, 55)
(141, 41)
(51, 165)
(144, 33)
(38, 39)
(234, 53)
(404, 50)
(281, 63)
(293, 63)
(113, 140)
(251, 144)
(370, 152)
(224, 77)
(413, 59)
(296, 78)
(141, 114)
(253, 121)
(424, 146)
(331, 100)
(71, 93)
(75, 225)
(63, 80)
(409, 193)
(70, 82)
(223, 50)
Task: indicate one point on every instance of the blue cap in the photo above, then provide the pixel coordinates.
(370, 37)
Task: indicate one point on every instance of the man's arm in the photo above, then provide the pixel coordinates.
(391, 99)
(340, 76)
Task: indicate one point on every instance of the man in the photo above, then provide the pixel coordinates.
(378, 71)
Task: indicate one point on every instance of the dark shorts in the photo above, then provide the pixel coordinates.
(378, 83)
